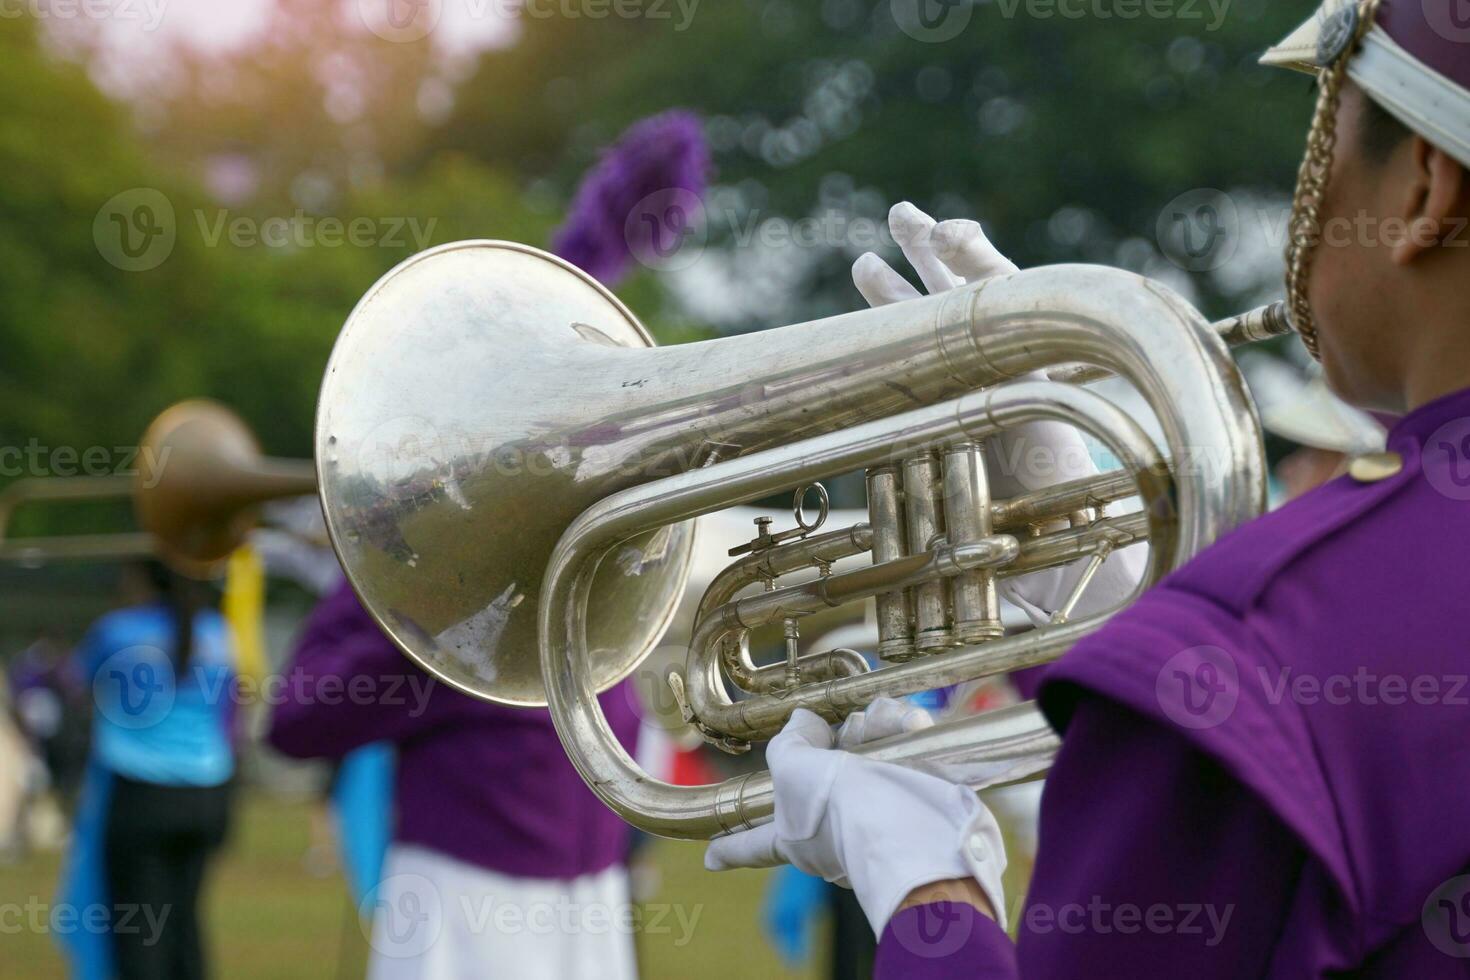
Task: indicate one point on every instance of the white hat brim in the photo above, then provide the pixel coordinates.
(1298, 50)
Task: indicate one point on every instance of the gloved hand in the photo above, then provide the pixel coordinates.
(877, 828)
(1027, 457)
(884, 718)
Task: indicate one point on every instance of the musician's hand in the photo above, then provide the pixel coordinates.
(1027, 457)
(880, 829)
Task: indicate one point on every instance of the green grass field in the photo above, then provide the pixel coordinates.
(271, 920)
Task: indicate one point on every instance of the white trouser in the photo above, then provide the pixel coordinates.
(435, 918)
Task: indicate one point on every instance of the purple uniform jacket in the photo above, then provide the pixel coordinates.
(1266, 770)
(479, 782)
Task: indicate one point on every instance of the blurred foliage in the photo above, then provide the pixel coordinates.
(316, 107)
(93, 352)
(1066, 135)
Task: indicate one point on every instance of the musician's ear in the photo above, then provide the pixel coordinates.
(1435, 201)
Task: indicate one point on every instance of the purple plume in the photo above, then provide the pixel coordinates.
(635, 203)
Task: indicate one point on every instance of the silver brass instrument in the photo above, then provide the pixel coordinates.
(509, 467)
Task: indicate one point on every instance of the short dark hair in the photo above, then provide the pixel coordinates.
(184, 598)
(1382, 133)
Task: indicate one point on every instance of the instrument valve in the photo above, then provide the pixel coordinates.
(763, 539)
(792, 631)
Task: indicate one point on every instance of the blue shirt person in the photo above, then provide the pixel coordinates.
(155, 806)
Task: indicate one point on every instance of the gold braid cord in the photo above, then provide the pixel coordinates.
(1311, 186)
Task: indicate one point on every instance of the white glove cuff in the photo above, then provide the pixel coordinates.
(975, 850)
(984, 854)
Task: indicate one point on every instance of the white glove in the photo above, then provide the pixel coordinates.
(883, 718)
(877, 828)
(1027, 457)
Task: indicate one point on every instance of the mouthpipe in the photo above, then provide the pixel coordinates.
(1263, 323)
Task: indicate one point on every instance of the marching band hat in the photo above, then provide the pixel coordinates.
(1299, 407)
(1414, 62)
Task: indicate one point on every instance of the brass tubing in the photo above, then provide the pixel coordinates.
(1070, 605)
(37, 550)
(34, 552)
(1259, 324)
(885, 517)
(813, 667)
(761, 717)
(1048, 504)
(834, 590)
(1066, 546)
(827, 547)
(967, 515)
(1046, 551)
(1002, 553)
(1016, 324)
(793, 654)
(924, 514)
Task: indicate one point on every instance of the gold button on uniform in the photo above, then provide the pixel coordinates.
(1372, 467)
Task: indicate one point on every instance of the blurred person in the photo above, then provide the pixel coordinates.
(15, 766)
(1328, 435)
(157, 798)
(795, 908)
(50, 706)
(488, 811)
(502, 863)
(1205, 817)
(1321, 433)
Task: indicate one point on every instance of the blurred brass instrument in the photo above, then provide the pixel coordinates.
(195, 493)
(508, 465)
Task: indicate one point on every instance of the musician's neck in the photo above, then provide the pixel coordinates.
(1440, 367)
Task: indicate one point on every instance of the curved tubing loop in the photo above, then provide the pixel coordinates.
(1003, 328)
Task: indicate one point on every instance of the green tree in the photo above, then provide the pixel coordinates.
(1066, 135)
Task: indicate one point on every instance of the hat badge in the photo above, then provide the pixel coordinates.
(1337, 34)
